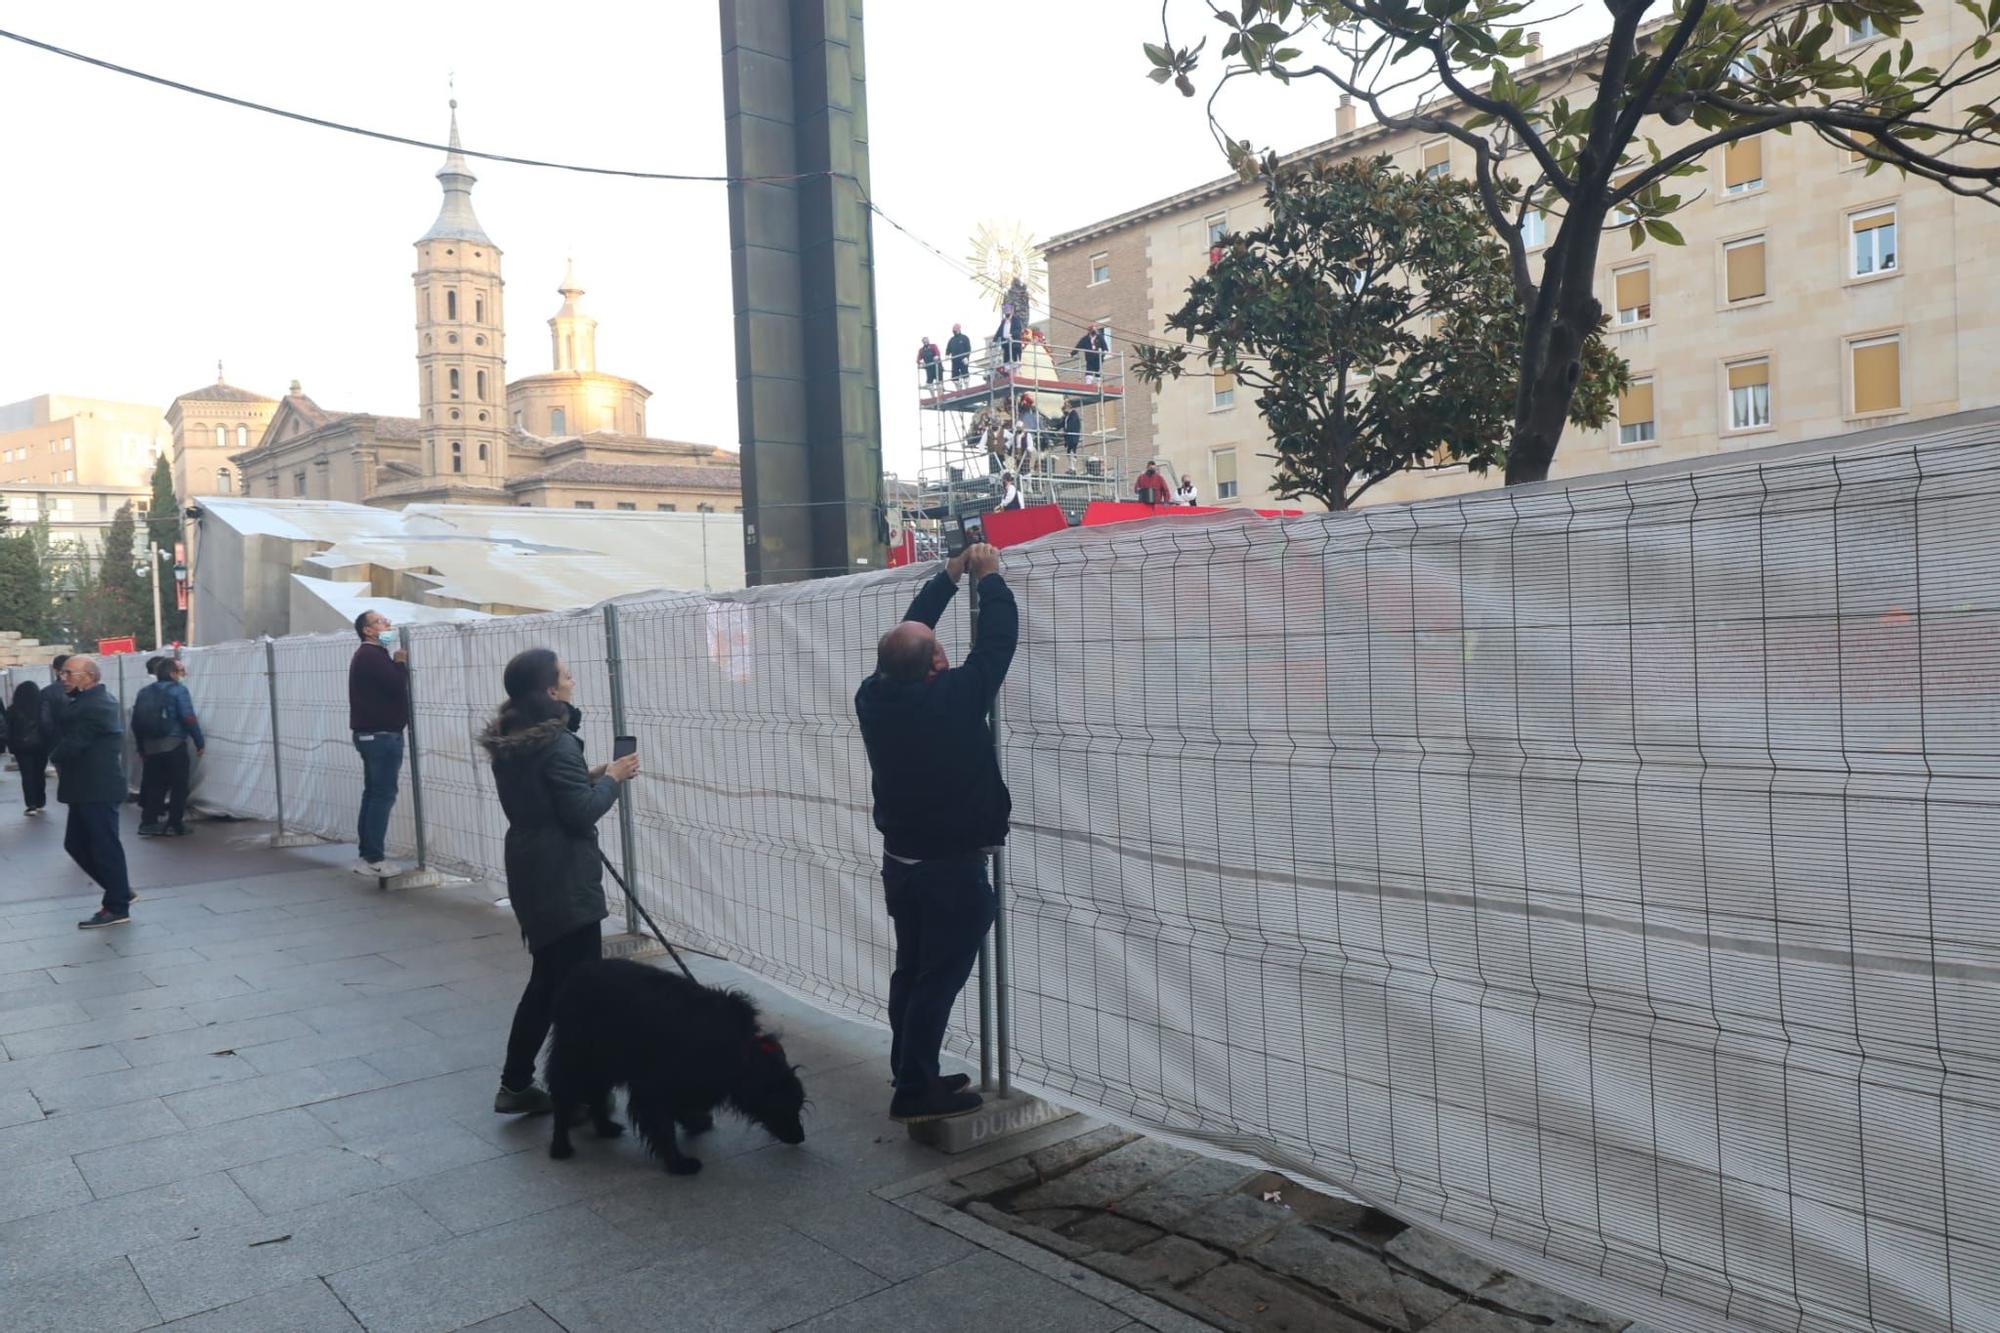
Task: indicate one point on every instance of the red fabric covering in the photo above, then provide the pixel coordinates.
(1011, 527)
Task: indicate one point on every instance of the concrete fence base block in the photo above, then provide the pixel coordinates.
(641, 945)
(999, 1118)
(413, 879)
(295, 840)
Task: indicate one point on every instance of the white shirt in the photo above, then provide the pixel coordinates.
(1185, 495)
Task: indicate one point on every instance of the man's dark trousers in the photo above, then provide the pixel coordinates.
(91, 839)
(163, 788)
(941, 910)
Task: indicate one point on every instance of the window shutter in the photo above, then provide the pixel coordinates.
(1745, 266)
(1743, 163)
(1635, 288)
(1749, 374)
(1225, 467)
(1636, 403)
(1878, 376)
(1437, 158)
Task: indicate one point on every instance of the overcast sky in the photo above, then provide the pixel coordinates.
(147, 233)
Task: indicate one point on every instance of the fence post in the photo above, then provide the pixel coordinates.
(986, 969)
(614, 664)
(1002, 1007)
(280, 838)
(416, 756)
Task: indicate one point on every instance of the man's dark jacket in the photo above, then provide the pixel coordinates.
(958, 345)
(555, 880)
(90, 756)
(938, 792)
(378, 690)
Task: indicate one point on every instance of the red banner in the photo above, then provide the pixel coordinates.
(128, 644)
(1011, 527)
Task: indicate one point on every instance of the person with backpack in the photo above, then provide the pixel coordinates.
(163, 723)
(30, 745)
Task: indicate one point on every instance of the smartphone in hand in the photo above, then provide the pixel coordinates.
(624, 745)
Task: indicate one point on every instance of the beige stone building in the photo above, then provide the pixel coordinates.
(59, 440)
(569, 437)
(1811, 299)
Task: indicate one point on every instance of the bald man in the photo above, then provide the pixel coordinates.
(942, 807)
(90, 780)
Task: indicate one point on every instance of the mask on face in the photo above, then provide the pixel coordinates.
(389, 639)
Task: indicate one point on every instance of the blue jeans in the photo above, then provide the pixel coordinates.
(381, 763)
(941, 910)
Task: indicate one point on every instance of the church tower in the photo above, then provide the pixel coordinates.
(574, 333)
(461, 359)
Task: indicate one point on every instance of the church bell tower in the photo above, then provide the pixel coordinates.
(461, 358)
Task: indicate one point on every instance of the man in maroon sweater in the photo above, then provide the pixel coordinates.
(378, 709)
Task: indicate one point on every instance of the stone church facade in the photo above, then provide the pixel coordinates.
(570, 437)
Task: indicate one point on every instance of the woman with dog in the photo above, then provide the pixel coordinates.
(555, 877)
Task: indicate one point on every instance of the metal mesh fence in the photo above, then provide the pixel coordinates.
(1600, 876)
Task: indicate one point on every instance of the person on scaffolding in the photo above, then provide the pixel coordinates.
(959, 348)
(942, 808)
(1072, 431)
(1010, 493)
(1093, 345)
(1152, 487)
(1012, 326)
(927, 357)
(1186, 494)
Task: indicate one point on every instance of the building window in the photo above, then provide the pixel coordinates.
(1743, 166)
(298, 483)
(704, 509)
(1218, 227)
(451, 305)
(1749, 394)
(666, 509)
(1534, 229)
(451, 381)
(1100, 267)
(1635, 412)
(479, 309)
(627, 504)
(1222, 392)
(1222, 465)
(1623, 215)
(1437, 159)
(520, 419)
(586, 504)
(221, 438)
(1874, 249)
(1859, 155)
(69, 474)
(68, 444)
(482, 453)
(1743, 269)
(1876, 371)
(1744, 67)
(223, 481)
(558, 421)
(458, 456)
(242, 437)
(1862, 30)
(1634, 294)
(479, 384)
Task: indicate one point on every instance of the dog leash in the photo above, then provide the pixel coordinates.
(646, 916)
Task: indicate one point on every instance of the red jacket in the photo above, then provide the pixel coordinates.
(1153, 488)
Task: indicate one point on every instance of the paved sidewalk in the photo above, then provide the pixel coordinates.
(265, 1105)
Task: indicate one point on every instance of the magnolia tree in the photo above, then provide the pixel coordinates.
(1374, 317)
(1592, 162)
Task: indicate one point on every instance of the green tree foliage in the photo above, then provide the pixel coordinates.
(24, 596)
(1374, 316)
(116, 602)
(163, 526)
(1605, 146)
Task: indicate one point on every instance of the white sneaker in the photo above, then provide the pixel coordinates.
(373, 869)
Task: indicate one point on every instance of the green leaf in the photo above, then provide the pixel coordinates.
(1268, 33)
(1159, 75)
(1664, 232)
(1158, 55)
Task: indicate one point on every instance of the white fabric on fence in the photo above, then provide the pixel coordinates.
(1603, 876)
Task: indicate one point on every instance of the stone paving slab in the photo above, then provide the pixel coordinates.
(266, 1105)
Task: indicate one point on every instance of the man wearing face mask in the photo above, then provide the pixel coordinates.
(942, 807)
(378, 709)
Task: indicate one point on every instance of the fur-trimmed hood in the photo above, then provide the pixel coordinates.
(501, 744)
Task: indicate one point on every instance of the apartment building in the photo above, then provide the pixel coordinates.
(1812, 298)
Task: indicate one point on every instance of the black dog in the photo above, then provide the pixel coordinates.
(680, 1047)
